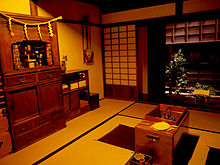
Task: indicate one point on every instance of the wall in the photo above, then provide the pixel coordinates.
(70, 37)
(140, 14)
(192, 6)
(15, 6)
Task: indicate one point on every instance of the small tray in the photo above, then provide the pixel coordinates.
(133, 161)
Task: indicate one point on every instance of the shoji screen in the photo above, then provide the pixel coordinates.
(120, 60)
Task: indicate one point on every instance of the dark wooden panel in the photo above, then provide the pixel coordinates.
(50, 97)
(22, 104)
(121, 92)
(66, 102)
(74, 100)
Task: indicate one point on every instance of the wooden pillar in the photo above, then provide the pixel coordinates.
(33, 7)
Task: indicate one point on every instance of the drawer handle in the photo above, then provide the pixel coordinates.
(49, 75)
(22, 80)
(23, 129)
(42, 121)
(30, 137)
(153, 138)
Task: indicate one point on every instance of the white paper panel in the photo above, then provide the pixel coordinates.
(124, 70)
(108, 81)
(123, 53)
(131, 46)
(124, 82)
(131, 52)
(116, 76)
(124, 76)
(116, 82)
(123, 40)
(123, 59)
(115, 53)
(132, 83)
(131, 27)
(122, 28)
(123, 47)
(115, 41)
(114, 35)
(108, 75)
(114, 29)
(107, 59)
(107, 53)
(106, 30)
(132, 40)
(122, 34)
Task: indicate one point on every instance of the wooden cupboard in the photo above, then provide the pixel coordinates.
(75, 93)
(34, 88)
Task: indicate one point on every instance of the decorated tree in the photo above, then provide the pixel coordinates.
(175, 72)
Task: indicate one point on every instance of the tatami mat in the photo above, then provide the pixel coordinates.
(206, 140)
(138, 110)
(75, 128)
(87, 150)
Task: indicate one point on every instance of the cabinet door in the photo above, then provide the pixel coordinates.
(74, 100)
(66, 102)
(50, 97)
(22, 104)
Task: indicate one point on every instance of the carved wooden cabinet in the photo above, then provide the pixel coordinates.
(32, 81)
(75, 93)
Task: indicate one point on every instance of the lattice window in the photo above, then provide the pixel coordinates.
(120, 55)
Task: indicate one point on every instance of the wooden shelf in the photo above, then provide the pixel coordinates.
(76, 100)
(193, 31)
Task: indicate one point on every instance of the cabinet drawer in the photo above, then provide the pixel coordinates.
(48, 75)
(24, 140)
(17, 80)
(23, 127)
(42, 120)
(58, 124)
(57, 115)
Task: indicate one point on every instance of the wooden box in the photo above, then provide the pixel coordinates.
(157, 115)
(133, 161)
(94, 101)
(160, 144)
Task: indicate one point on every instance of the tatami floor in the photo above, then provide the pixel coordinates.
(77, 143)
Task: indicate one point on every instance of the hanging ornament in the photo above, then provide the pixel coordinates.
(10, 19)
(25, 31)
(50, 29)
(10, 29)
(39, 32)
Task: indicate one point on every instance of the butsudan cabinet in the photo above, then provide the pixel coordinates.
(32, 81)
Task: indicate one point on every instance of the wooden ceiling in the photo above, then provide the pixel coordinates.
(111, 6)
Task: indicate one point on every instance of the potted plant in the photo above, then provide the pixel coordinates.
(175, 72)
